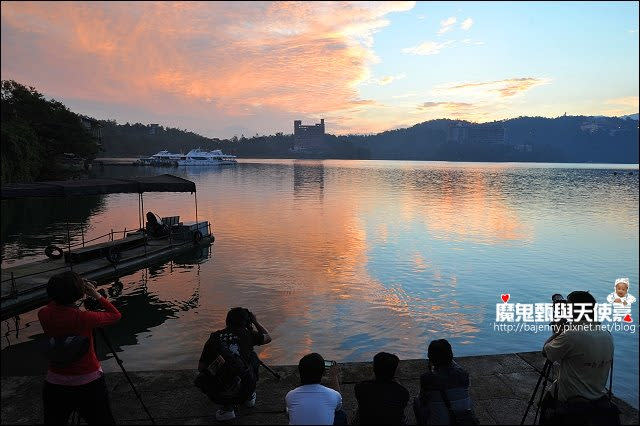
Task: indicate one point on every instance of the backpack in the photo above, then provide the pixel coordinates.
(65, 350)
(229, 378)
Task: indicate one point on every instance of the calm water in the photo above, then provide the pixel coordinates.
(348, 258)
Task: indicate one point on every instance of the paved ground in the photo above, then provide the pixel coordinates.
(501, 386)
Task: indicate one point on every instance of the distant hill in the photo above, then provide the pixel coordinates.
(630, 116)
(561, 139)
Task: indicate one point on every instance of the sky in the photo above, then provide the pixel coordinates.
(245, 68)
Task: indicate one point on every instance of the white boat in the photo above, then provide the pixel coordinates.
(198, 157)
(195, 157)
(163, 158)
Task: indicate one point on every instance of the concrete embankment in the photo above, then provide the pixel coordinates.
(501, 386)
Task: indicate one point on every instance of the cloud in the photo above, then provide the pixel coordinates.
(204, 62)
(621, 106)
(629, 101)
(383, 81)
(466, 24)
(427, 48)
(447, 24)
(504, 88)
(446, 105)
(458, 110)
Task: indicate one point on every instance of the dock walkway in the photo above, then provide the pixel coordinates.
(501, 386)
(27, 289)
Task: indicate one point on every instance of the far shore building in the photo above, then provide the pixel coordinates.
(308, 137)
(93, 126)
(486, 133)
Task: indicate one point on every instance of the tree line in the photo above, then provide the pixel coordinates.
(36, 132)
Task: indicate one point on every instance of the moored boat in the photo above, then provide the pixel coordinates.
(198, 157)
(195, 157)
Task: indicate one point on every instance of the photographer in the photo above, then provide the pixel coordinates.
(585, 354)
(229, 365)
(74, 380)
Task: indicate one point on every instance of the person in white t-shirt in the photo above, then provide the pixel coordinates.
(312, 402)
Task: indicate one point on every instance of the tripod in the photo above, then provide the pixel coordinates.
(119, 361)
(276, 375)
(546, 370)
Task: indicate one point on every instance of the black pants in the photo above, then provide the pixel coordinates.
(90, 400)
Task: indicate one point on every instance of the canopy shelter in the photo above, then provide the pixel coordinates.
(74, 188)
(71, 188)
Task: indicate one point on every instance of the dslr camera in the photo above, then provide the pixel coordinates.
(557, 325)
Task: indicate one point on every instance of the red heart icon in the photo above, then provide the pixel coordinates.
(505, 297)
(627, 318)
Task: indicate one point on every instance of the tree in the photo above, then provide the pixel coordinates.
(36, 132)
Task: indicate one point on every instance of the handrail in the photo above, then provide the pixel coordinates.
(67, 266)
(34, 273)
(124, 231)
(13, 278)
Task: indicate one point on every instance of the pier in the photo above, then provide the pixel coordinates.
(501, 386)
(23, 287)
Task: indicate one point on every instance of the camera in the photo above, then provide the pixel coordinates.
(328, 364)
(556, 326)
(91, 304)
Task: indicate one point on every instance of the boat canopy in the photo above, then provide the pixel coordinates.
(71, 188)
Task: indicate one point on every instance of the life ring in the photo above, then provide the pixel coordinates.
(116, 289)
(49, 252)
(113, 255)
(197, 237)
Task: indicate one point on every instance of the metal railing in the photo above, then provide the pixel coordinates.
(13, 293)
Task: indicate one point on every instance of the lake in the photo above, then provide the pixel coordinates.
(349, 258)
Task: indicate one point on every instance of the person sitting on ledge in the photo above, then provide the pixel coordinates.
(585, 353)
(444, 390)
(312, 403)
(228, 365)
(383, 400)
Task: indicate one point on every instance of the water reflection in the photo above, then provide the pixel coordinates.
(308, 180)
(30, 224)
(144, 305)
(348, 258)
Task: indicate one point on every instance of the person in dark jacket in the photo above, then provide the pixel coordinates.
(228, 355)
(443, 375)
(77, 384)
(382, 400)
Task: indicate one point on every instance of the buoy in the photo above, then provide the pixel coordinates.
(49, 252)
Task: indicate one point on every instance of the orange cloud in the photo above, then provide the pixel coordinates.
(505, 88)
(294, 57)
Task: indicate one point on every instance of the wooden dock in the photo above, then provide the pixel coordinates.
(23, 287)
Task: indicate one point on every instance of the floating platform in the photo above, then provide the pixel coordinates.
(23, 287)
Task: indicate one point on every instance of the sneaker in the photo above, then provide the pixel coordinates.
(222, 415)
(251, 402)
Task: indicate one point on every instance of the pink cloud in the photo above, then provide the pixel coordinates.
(300, 59)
